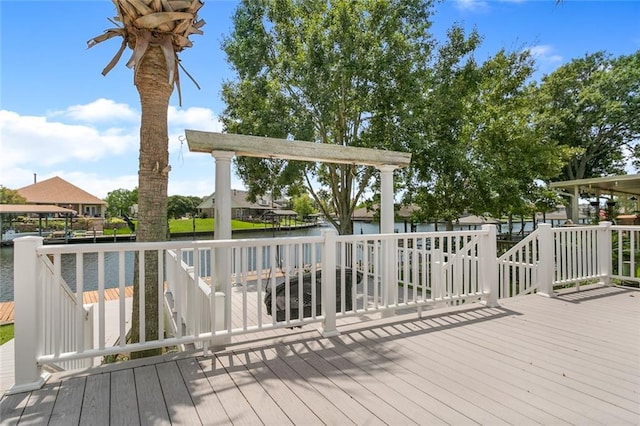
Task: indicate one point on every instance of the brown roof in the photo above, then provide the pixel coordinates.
(57, 191)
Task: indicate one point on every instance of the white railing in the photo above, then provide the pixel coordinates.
(64, 307)
(577, 254)
(189, 300)
(570, 256)
(518, 267)
(625, 254)
(221, 289)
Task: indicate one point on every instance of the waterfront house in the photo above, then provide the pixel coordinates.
(241, 207)
(57, 191)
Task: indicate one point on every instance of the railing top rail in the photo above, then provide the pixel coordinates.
(626, 227)
(172, 245)
(411, 235)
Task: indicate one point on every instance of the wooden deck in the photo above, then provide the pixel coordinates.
(574, 359)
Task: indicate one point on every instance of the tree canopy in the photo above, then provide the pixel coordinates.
(475, 149)
(341, 72)
(10, 196)
(180, 205)
(592, 104)
(120, 201)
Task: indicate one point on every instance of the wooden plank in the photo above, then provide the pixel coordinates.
(204, 397)
(68, 405)
(526, 374)
(12, 407)
(6, 312)
(457, 370)
(235, 405)
(265, 147)
(95, 406)
(289, 402)
(324, 399)
(560, 355)
(381, 406)
(176, 395)
(259, 400)
(607, 393)
(124, 402)
(40, 405)
(153, 410)
(396, 382)
(474, 405)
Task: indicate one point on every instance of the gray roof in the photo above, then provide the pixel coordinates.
(238, 200)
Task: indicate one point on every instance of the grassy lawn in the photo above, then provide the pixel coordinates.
(202, 225)
(6, 333)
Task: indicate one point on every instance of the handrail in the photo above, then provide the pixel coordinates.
(266, 283)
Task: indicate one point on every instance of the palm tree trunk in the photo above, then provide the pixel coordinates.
(151, 79)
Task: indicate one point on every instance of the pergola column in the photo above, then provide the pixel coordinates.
(221, 273)
(387, 222)
(222, 206)
(387, 214)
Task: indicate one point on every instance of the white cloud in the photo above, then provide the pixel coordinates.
(545, 53)
(195, 118)
(95, 146)
(471, 5)
(37, 140)
(100, 110)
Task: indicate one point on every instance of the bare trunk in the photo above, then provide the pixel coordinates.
(155, 91)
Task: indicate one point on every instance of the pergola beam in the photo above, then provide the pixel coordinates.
(264, 147)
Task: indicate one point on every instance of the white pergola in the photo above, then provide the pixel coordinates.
(223, 147)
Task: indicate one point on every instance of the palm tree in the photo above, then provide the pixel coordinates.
(155, 30)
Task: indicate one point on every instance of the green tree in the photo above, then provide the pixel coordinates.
(341, 72)
(303, 205)
(11, 196)
(444, 173)
(180, 205)
(155, 31)
(120, 201)
(476, 150)
(519, 159)
(592, 104)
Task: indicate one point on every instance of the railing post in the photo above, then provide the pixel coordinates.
(328, 328)
(489, 265)
(28, 315)
(437, 291)
(547, 262)
(389, 276)
(605, 250)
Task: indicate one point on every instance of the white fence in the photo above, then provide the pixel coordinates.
(211, 291)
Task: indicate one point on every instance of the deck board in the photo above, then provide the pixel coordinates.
(206, 401)
(151, 404)
(574, 360)
(124, 402)
(237, 409)
(68, 405)
(176, 395)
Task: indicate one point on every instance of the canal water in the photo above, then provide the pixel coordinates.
(111, 259)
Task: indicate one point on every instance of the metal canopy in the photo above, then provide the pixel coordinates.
(264, 147)
(33, 209)
(616, 185)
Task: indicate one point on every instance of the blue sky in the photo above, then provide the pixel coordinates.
(60, 117)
